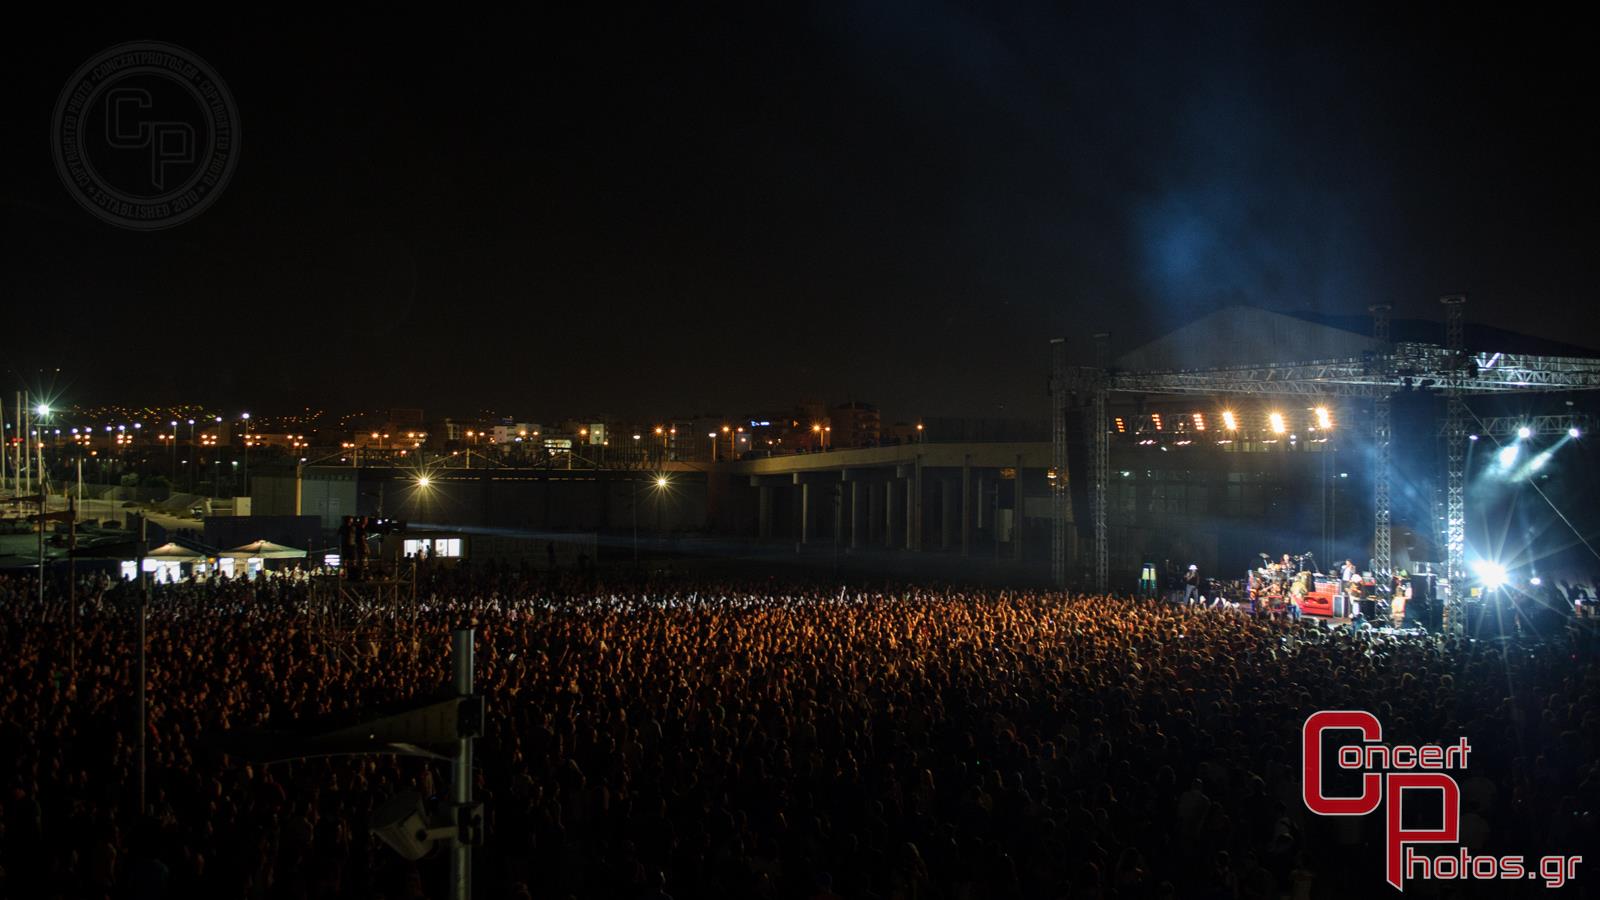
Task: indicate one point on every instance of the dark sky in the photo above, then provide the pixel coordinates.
(671, 208)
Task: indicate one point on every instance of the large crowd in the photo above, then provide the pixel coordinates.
(662, 738)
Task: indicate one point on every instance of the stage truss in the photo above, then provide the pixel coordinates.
(357, 616)
(1448, 370)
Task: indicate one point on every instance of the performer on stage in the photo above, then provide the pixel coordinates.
(1347, 576)
(1191, 584)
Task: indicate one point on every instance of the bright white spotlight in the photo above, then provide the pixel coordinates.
(1507, 455)
(1228, 421)
(423, 481)
(1540, 460)
(1324, 418)
(1277, 423)
(1493, 575)
(1524, 433)
(1536, 581)
(1573, 432)
(661, 482)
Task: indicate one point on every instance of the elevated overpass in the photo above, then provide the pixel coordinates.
(989, 499)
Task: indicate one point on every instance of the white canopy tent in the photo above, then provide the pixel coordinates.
(263, 550)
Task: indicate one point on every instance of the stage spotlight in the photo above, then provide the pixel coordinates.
(1507, 455)
(1540, 460)
(1524, 433)
(1472, 437)
(1492, 575)
(1324, 418)
(1278, 426)
(1573, 432)
(1536, 581)
(1229, 422)
(423, 481)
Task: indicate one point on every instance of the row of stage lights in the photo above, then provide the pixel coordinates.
(1277, 422)
(1507, 456)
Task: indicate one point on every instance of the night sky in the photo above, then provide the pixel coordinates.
(673, 209)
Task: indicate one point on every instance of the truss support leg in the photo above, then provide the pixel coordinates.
(1058, 464)
(1455, 512)
(1455, 454)
(1380, 485)
(1100, 462)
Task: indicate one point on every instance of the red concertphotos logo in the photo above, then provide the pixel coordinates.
(1401, 773)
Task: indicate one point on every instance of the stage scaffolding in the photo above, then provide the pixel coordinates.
(1447, 369)
(356, 615)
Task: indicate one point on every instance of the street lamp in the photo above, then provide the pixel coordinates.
(660, 485)
(246, 479)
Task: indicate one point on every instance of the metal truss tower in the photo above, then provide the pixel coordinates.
(1059, 497)
(1099, 465)
(1382, 435)
(1455, 454)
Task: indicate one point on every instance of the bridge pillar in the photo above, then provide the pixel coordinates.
(1018, 496)
(967, 504)
(914, 509)
(875, 518)
(947, 513)
(895, 515)
(807, 511)
(764, 513)
(856, 515)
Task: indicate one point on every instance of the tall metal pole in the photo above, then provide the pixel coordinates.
(27, 427)
(144, 601)
(461, 780)
(21, 433)
(41, 498)
(72, 593)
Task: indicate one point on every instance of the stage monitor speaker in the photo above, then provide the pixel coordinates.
(1423, 608)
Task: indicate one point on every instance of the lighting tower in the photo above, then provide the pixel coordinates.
(1380, 444)
(1455, 449)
